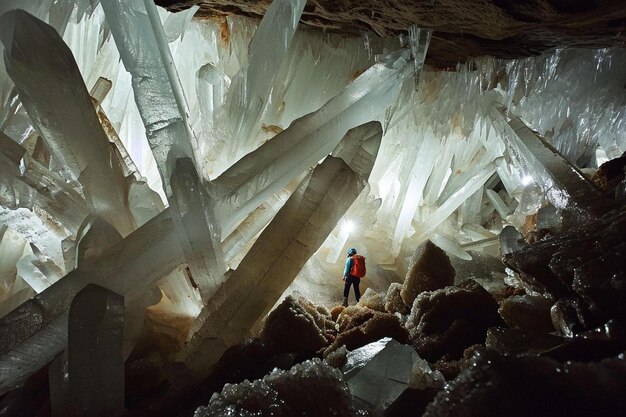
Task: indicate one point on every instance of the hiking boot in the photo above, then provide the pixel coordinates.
(345, 302)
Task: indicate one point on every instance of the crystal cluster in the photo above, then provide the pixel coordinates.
(311, 388)
(443, 323)
(297, 325)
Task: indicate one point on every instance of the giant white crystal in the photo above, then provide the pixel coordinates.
(55, 96)
(379, 372)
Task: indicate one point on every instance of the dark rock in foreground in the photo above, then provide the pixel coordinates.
(498, 386)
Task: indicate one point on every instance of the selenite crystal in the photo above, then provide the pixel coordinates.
(283, 247)
(563, 184)
(378, 373)
(419, 39)
(36, 331)
(58, 383)
(251, 87)
(259, 174)
(511, 240)
(54, 94)
(95, 353)
(170, 136)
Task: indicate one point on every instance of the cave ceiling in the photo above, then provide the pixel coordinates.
(462, 28)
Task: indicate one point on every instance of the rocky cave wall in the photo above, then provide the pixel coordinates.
(463, 30)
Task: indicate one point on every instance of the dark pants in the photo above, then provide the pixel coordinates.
(352, 281)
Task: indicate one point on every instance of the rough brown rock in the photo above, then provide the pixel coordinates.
(606, 341)
(372, 299)
(363, 325)
(569, 317)
(429, 270)
(393, 300)
(501, 28)
(312, 388)
(494, 385)
(514, 341)
(506, 292)
(530, 313)
(443, 323)
(450, 369)
(354, 316)
(610, 174)
(297, 325)
(335, 312)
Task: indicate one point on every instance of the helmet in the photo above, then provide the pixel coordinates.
(352, 251)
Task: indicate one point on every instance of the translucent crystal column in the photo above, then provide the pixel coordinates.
(562, 183)
(455, 200)
(419, 40)
(38, 186)
(58, 384)
(261, 173)
(501, 207)
(416, 173)
(52, 90)
(94, 351)
(250, 89)
(16, 291)
(139, 37)
(196, 216)
(284, 246)
(254, 223)
(35, 332)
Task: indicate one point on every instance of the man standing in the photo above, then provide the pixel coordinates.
(352, 274)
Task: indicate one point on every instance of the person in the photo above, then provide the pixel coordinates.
(350, 279)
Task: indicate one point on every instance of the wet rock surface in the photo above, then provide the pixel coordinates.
(514, 341)
(605, 341)
(584, 266)
(494, 385)
(527, 312)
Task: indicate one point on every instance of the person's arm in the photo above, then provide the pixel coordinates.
(348, 267)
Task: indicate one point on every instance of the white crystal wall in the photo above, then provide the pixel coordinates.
(438, 169)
